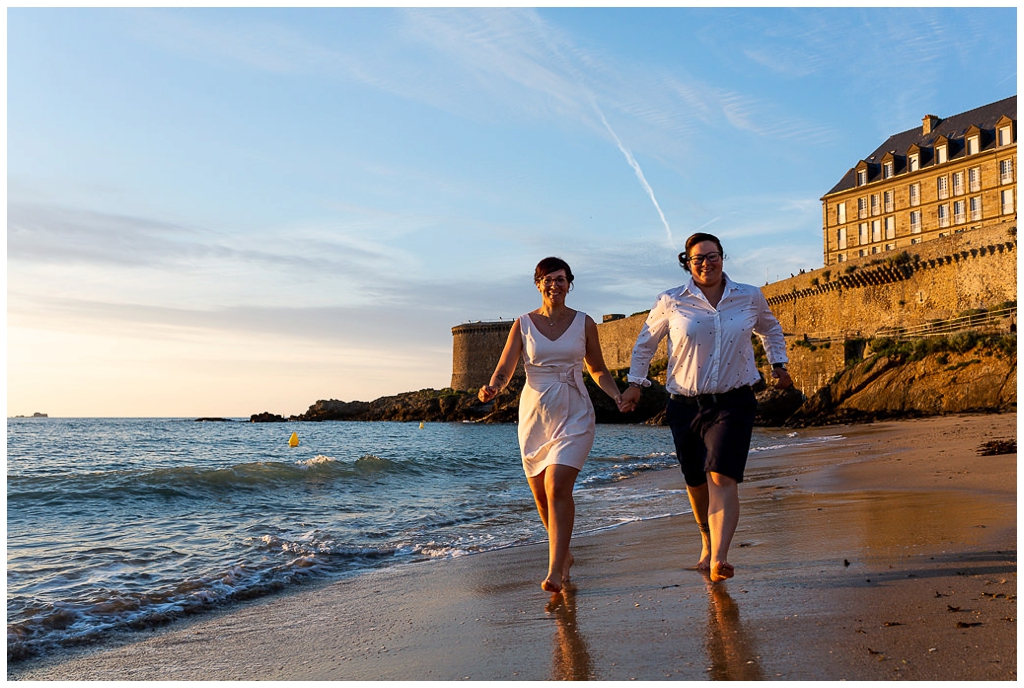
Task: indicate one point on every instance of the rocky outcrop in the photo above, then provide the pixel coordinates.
(448, 405)
(892, 386)
(266, 417)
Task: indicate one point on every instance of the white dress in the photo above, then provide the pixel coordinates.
(556, 417)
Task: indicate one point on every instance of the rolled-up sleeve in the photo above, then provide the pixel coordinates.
(652, 332)
(769, 330)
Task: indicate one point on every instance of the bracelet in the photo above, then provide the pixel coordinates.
(635, 384)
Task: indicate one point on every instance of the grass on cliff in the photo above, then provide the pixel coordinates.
(1004, 346)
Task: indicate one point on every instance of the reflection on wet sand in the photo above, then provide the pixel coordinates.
(730, 652)
(570, 659)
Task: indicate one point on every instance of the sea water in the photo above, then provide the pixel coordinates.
(115, 524)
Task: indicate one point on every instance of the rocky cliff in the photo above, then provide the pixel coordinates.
(901, 381)
(896, 379)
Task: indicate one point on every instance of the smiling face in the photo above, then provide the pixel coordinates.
(553, 287)
(706, 272)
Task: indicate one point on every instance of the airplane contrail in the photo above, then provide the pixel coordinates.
(639, 173)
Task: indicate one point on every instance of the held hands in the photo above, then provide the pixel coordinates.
(627, 401)
(782, 375)
(486, 393)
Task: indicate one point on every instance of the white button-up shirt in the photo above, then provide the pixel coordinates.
(709, 349)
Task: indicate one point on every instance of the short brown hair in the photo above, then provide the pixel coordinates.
(549, 265)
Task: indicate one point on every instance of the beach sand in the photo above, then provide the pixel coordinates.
(889, 554)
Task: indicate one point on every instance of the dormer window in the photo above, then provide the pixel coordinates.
(862, 177)
(973, 145)
(886, 170)
(940, 155)
(1005, 135)
(913, 162)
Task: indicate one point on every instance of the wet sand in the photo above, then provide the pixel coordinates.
(892, 554)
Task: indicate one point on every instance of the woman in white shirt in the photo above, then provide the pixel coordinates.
(711, 368)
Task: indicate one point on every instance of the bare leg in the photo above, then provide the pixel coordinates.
(723, 515)
(552, 491)
(699, 503)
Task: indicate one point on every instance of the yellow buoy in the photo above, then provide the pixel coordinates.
(293, 441)
(421, 425)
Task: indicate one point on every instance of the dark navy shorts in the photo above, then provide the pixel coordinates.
(712, 435)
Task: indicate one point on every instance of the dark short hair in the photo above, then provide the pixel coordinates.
(549, 265)
(696, 239)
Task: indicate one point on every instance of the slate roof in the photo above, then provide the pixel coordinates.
(953, 128)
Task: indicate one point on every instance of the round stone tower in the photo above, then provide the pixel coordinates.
(476, 348)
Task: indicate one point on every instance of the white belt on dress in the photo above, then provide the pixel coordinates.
(572, 376)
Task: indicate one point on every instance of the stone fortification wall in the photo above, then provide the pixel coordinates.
(934, 280)
(476, 348)
(617, 338)
(825, 312)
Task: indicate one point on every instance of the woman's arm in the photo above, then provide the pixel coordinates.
(594, 360)
(506, 365)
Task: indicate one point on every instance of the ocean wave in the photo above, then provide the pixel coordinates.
(191, 481)
(43, 627)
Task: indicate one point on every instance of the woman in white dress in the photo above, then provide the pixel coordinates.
(556, 417)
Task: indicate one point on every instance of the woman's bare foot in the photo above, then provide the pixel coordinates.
(550, 584)
(721, 570)
(705, 563)
(569, 561)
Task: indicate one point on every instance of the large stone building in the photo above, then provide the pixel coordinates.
(945, 177)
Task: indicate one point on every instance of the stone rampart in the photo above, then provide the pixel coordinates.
(476, 348)
(935, 280)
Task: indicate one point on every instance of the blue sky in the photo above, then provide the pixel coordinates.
(228, 211)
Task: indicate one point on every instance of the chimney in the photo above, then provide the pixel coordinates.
(928, 123)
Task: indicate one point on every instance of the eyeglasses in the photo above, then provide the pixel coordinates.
(560, 281)
(698, 258)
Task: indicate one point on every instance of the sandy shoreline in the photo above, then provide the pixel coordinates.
(891, 555)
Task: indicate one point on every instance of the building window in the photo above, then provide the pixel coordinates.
(890, 247)
(841, 214)
(1006, 171)
(1006, 200)
(975, 208)
(874, 249)
(862, 177)
(959, 212)
(916, 240)
(876, 230)
(940, 155)
(874, 204)
(862, 234)
(863, 252)
(1005, 136)
(913, 163)
(958, 183)
(886, 170)
(972, 145)
(915, 221)
(944, 215)
(974, 179)
(915, 194)
(890, 227)
(887, 200)
(862, 208)
(842, 237)
(942, 185)
(840, 257)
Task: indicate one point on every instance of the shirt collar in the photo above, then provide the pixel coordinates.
(692, 288)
